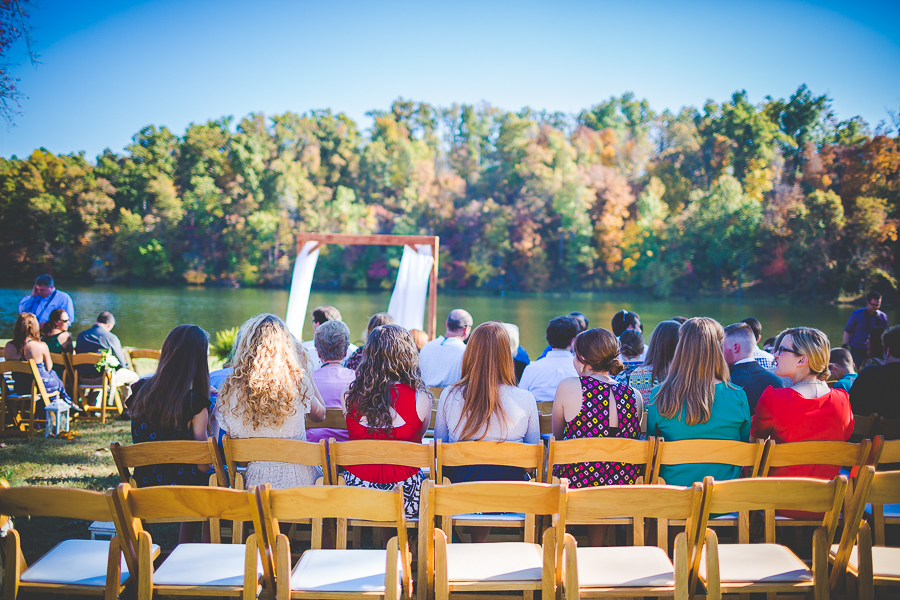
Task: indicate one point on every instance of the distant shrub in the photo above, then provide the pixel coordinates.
(224, 343)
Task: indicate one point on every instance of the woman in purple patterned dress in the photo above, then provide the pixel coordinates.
(582, 408)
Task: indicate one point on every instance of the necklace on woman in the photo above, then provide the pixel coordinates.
(812, 382)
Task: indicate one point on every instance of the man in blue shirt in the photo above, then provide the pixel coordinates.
(44, 299)
(860, 323)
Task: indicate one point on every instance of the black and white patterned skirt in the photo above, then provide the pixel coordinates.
(412, 489)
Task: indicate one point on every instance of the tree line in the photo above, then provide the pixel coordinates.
(778, 196)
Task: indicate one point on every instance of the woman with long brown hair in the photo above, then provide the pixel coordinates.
(26, 344)
(696, 401)
(173, 404)
(659, 355)
(388, 400)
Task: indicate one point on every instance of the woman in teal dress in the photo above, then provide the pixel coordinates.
(696, 401)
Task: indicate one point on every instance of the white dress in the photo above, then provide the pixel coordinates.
(280, 475)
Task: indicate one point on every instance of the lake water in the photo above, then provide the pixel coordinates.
(144, 315)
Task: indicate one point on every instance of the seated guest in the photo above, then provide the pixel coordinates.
(26, 344)
(806, 411)
(840, 364)
(441, 358)
(877, 389)
(659, 356)
(746, 372)
(486, 405)
(320, 315)
(374, 321)
(596, 405)
(55, 332)
(520, 356)
(696, 401)
(624, 321)
(631, 349)
(543, 375)
(769, 345)
(268, 394)
(388, 400)
(97, 339)
(583, 325)
(173, 404)
(765, 360)
(874, 349)
(332, 339)
(419, 337)
(679, 319)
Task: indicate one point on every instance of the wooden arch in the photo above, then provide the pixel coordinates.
(383, 239)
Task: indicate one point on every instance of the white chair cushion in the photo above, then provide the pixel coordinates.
(342, 571)
(623, 567)
(205, 565)
(885, 561)
(511, 517)
(733, 515)
(74, 562)
(500, 561)
(769, 563)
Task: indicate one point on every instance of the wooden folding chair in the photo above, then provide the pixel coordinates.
(22, 407)
(545, 408)
(511, 454)
(889, 429)
(843, 454)
(381, 452)
(141, 353)
(191, 569)
(721, 452)
(82, 388)
(864, 427)
(770, 567)
(265, 449)
(84, 567)
(867, 564)
(636, 570)
(61, 359)
(435, 393)
(339, 573)
(446, 567)
(334, 419)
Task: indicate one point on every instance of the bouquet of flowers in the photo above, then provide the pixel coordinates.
(109, 362)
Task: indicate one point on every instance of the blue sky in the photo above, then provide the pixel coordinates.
(109, 68)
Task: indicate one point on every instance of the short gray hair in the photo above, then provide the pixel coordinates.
(513, 331)
(332, 340)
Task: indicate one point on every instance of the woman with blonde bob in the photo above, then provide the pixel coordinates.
(696, 401)
(268, 394)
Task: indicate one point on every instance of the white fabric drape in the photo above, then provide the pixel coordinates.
(407, 304)
(298, 301)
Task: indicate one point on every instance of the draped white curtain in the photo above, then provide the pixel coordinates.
(298, 301)
(407, 304)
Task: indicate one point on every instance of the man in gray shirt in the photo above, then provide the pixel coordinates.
(99, 338)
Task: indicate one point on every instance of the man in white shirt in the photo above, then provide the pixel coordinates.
(542, 377)
(322, 314)
(441, 359)
(765, 360)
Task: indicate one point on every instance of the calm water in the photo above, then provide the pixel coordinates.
(144, 315)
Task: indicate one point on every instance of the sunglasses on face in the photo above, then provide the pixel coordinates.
(781, 349)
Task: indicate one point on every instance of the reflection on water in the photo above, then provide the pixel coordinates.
(144, 315)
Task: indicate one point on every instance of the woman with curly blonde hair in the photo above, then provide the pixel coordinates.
(387, 400)
(268, 394)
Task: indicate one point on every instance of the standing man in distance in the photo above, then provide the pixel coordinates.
(859, 324)
(45, 298)
(320, 315)
(441, 359)
(99, 338)
(542, 377)
(746, 372)
(877, 389)
(765, 359)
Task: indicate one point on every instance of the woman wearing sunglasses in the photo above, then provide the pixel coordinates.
(808, 410)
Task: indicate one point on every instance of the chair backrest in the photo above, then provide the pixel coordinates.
(138, 353)
(334, 419)
(545, 408)
(889, 429)
(885, 489)
(512, 454)
(282, 450)
(586, 506)
(546, 423)
(167, 452)
(380, 452)
(28, 367)
(852, 519)
(637, 452)
(168, 502)
(884, 454)
(62, 359)
(864, 427)
(435, 392)
(723, 452)
(45, 501)
(85, 358)
(843, 454)
(780, 493)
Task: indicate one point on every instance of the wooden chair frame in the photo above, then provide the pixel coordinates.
(342, 503)
(724, 452)
(864, 427)
(597, 505)
(184, 503)
(334, 419)
(136, 353)
(784, 493)
(62, 359)
(508, 496)
(105, 388)
(68, 503)
(27, 404)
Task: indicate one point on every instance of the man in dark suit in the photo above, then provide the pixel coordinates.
(745, 371)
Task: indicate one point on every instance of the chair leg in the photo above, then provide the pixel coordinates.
(14, 566)
(820, 565)
(441, 583)
(113, 570)
(145, 567)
